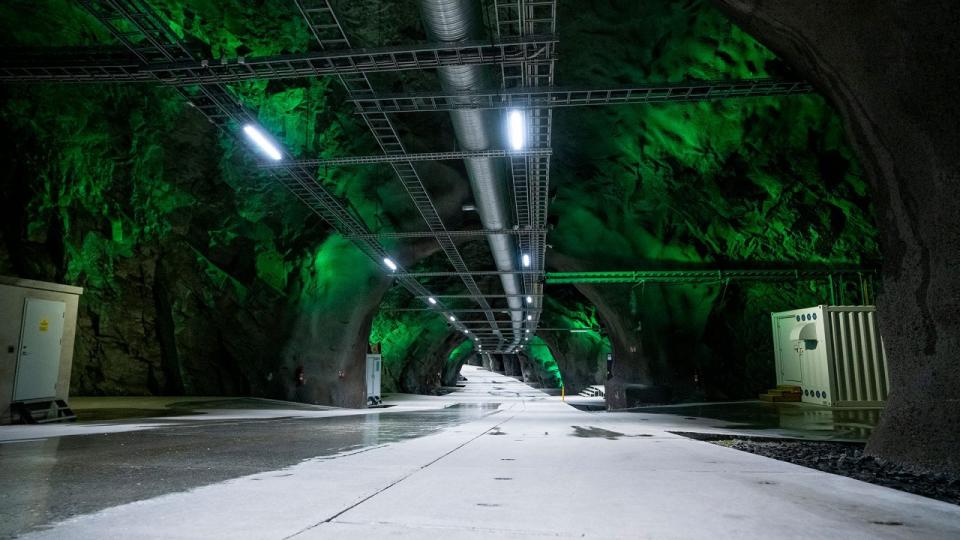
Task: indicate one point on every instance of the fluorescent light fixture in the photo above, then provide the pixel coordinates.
(432, 300)
(516, 130)
(452, 318)
(526, 260)
(526, 339)
(579, 330)
(466, 331)
(528, 330)
(390, 264)
(263, 142)
(529, 299)
(529, 317)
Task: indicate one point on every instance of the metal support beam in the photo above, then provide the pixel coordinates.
(526, 98)
(454, 234)
(439, 296)
(398, 158)
(112, 67)
(700, 276)
(416, 275)
(466, 310)
(325, 26)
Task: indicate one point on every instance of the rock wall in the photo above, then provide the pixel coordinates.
(766, 182)
(581, 355)
(886, 66)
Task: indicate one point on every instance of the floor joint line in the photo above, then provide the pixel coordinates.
(401, 479)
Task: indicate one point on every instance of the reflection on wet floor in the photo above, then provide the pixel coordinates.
(102, 415)
(485, 407)
(47, 480)
(95, 409)
(591, 432)
(793, 419)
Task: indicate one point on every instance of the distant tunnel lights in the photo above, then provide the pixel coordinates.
(516, 130)
(263, 142)
(452, 318)
(529, 299)
(525, 259)
(432, 300)
(390, 264)
(529, 317)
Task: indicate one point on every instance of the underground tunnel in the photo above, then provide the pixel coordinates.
(358, 248)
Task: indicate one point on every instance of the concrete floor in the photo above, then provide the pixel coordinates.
(494, 459)
(792, 420)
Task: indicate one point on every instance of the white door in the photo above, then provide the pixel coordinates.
(373, 375)
(38, 361)
(790, 370)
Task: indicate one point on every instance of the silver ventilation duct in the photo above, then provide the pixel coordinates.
(459, 20)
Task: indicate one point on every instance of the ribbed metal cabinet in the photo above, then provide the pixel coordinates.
(833, 353)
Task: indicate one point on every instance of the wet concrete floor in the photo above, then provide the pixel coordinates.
(99, 409)
(610, 476)
(797, 420)
(47, 480)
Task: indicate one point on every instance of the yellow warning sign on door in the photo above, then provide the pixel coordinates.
(44, 325)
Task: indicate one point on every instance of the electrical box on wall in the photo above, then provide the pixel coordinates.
(833, 353)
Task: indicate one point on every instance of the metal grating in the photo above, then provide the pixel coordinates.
(329, 34)
(109, 66)
(703, 276)
(454, 234)
(145, 35)
(426, 156)
(516, 19)
(524, 98)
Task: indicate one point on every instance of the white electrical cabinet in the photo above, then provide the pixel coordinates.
(374, 366)
(833, 353)
(38, 323)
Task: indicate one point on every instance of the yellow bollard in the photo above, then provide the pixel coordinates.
(563, 393)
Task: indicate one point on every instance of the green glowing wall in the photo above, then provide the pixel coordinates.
(545, 363)
(765, 181)
(580, 355)
(460, 353)
(407, 340)
(201, 275)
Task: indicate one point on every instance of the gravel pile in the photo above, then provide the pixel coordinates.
(849, 460)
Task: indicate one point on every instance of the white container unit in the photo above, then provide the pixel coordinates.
(833, 353)
(374, 366)
(38, 323)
